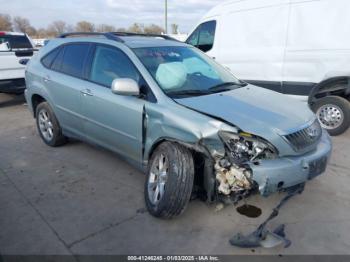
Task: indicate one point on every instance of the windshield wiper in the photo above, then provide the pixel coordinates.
(193, 92)
(225, 86)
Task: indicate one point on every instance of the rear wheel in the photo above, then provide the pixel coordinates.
(333, 112)
(169, 180)
(48, 126)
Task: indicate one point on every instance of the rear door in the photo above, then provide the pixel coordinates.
(64, 82)
(113, 121)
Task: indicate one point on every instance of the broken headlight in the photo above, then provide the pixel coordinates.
(243, 147)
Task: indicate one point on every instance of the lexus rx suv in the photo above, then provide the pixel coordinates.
(172, 111)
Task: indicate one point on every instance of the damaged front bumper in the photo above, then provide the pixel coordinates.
(285, 172)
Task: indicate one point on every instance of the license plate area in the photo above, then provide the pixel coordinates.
(317, 167)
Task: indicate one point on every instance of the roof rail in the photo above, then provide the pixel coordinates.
(166, 37)
(110, 36)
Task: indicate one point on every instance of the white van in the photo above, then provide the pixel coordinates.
(296, 47)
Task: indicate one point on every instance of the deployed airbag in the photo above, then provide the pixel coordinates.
(171, 75)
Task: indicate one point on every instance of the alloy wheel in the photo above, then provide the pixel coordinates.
(45, 125)
(157, 179)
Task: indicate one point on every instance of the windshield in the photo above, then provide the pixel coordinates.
(16, 41)
(185, 71)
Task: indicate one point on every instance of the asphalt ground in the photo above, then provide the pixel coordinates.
(81, 199)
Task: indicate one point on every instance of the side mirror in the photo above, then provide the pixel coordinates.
(125, 87)
(24, 61)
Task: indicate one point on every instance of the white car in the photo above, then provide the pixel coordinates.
(295, 47)
(14, 47)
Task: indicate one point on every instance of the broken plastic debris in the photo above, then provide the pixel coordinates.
(262, 237)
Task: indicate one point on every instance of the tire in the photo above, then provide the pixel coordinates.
(176, 180)
(46, 120)
(339, 107)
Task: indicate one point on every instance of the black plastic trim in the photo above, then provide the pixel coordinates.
(286, 87)
(298, 88)
(271, 85)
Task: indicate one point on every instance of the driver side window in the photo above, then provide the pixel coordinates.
(109, 64)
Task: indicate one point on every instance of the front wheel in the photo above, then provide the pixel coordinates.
(169, 180)
(333, 112)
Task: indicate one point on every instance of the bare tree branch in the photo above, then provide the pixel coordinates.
(5, 22)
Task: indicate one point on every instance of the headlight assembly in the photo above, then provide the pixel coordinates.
(245, 147)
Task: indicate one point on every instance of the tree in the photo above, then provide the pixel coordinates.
(22, 25)
(174, 28)
(136, 28)
(84, 26)
(106, 28)
(57, 28)
(153, 29)
(42, 33)
(31, 31)
(5, 22)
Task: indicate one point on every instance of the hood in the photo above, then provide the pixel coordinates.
(254, 110)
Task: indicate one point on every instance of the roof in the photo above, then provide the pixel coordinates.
(129, 39)
(142, 41)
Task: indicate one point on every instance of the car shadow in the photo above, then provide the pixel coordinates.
(7, 100)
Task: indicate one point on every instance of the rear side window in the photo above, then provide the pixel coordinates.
(73, 60)
(16, 41)
(56, 65)
(49, 58)
(203, 37)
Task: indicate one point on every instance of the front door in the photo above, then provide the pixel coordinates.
(112, 121)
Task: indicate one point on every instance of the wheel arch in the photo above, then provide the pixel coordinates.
(203, 161)
(36, 99)
(335, 86)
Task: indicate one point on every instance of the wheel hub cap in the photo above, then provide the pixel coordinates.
(45, 125)
(157, 179)
(330, 116)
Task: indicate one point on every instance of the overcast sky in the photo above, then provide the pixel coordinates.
(120, 13)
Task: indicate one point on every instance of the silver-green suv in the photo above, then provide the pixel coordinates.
(176, 114)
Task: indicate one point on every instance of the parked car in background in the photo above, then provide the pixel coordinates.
(175, 113)
(14, 47)
(300, 48)
(39, 42)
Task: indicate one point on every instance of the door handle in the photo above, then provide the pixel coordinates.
(86, 92)
(47, 79)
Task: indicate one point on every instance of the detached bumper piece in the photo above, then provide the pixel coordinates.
(262, 237)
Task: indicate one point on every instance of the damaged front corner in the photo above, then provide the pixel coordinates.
(232, 179)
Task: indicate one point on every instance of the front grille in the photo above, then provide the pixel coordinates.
(306, 137)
